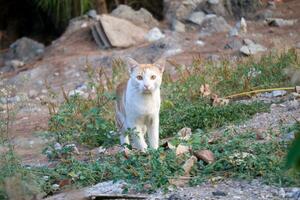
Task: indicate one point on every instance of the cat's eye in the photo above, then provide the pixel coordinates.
(153, 77)
(139, 77)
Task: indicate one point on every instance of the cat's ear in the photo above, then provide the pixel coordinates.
(131, 64)
(160, 64)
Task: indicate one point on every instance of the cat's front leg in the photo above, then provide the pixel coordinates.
(153, 132)
(138, 138)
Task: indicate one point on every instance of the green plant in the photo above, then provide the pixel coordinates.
(61, 11)
(293, 157)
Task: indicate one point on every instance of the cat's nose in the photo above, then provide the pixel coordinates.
(146, 87)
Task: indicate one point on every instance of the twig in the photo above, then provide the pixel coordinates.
(258, 91)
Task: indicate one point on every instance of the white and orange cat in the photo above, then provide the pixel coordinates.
(138, 105)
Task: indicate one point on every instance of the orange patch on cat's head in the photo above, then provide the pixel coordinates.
(140, 68)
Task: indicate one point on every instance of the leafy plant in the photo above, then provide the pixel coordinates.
(293, 157)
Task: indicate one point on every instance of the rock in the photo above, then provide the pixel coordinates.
(293, 105)
(298, 45)
(233, 32)
(197, 17)
(219, 193)
(10, 100)
(187, 167)
(205, 155)
(200, 43)
(281, 22)
(92, 14)
(185, 133)
(32, 94)
(57, 146)
(122, 33)
(278, 93)
(154, 35)
(184, 10)
(271, 5)
(248, 42)
(25, 49)
(214, 58)
(16, 64)
(175, 197)
(73, 148)
(213, 1)
(281, 193)
(215, 7)
(297, 88)
(251, 48)
(234, 43)
(141, 17)
(181, 149)
(294, 194)
(213, 24)
(265, 14)
(108, 187)
(178, 26)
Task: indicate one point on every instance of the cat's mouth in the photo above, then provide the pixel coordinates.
(147, 92)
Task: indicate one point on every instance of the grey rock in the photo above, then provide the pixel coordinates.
(213, 24)
(57, 146)
(92, 14)
(10, 100)
(214, 58)
(16, 64)
(248, 41)
(178, 26)
(6, 69)
(213, 1)
(278, 93)
(32, 93)
(122, 33)
(264, 15)
(108, 187)
(25, 49)
(197, 17)
(154, 35)
(215, 7)
(141, 17)
(235, 44)
(281, 22)
(219, 193)
(298, 45)
(233, 32)
(200, 43)
(252, 49)
(186, 7)
(271, 5)
(175, 197)
(293, 105)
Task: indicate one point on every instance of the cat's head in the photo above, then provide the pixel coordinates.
(146, 78)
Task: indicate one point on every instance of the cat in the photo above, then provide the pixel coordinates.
(138, 104)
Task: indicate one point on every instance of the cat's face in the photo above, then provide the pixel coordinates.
(146, 78)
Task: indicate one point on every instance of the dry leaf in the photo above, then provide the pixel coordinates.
(181, 149)
(187, 167)
(185, 133)
(205, 90)
(205, 155)
(216, 101)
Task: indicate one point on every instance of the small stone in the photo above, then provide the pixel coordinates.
(219, 193)
(205, 155)
(213, 1)
(278, 93)
(252, 49)
(233, 32)
(281, 22)
(181, 149)
(92, 14)
(298, 45)
(84, 25)
(185, 133)
(154, 35)
(32, 94)
(200, 43)
(293, 105)
(55, 186)
(197, 17)
(178, 26)
(57, 146)
(248, 42)
(271, 5)
(297, 89)
(16, 64)
(56, 74)
(175, 197)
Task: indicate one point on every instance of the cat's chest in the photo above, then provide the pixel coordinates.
(139, 105)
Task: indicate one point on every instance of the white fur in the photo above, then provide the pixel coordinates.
(142, 105)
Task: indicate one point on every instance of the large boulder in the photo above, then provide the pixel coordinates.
(215, 7)
(25, 49)
(122, 33)
(180, 10)
(214, 24)
(141, 17)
